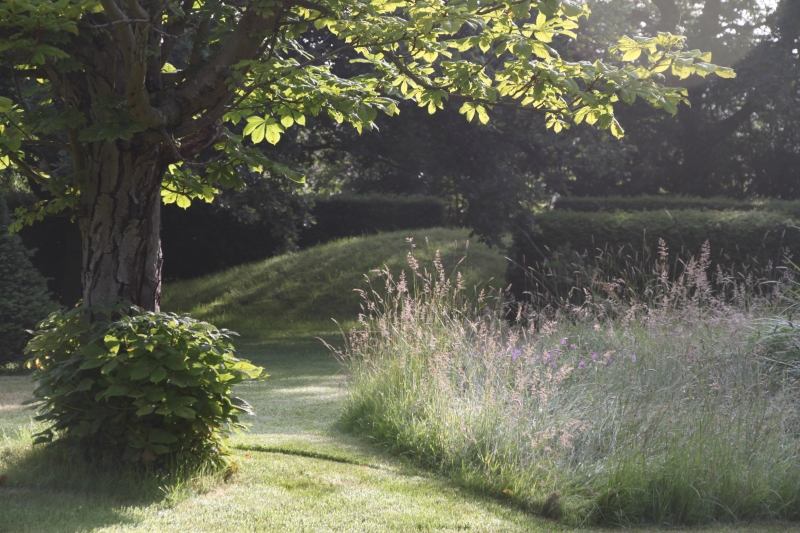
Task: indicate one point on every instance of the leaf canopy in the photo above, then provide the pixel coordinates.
(80, 73)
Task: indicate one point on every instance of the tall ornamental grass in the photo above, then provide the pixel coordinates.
(680, 408)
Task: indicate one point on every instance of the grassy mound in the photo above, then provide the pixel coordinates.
(304, 291)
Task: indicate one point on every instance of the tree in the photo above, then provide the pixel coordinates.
(24, 300)
(111, 106)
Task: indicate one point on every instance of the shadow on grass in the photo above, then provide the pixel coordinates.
(57, 489)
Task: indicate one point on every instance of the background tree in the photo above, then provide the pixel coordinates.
(116, 105)
(24, 300)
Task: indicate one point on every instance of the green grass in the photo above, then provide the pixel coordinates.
(673, 413)
(298, 469)
(302, 292)
(297, 473)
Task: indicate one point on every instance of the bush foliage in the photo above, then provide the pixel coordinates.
(24, 299)
(135, 385)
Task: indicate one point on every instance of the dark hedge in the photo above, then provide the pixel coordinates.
(656, 203)
(205, 239)
(736, 237)
(351, 216)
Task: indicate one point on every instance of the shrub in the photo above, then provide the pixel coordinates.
(24, 299)
(135, 385)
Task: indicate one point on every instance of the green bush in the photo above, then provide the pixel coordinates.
(736, 238)
(139, 386)
(24, 299)
(658, 203)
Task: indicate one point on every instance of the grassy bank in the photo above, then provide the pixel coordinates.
(304, 291)
(615, 412)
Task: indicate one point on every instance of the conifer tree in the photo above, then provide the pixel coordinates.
(24, 299)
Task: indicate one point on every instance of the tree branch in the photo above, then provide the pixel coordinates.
(40, 180)
(123, 32)
(175, 30)
(207, 88)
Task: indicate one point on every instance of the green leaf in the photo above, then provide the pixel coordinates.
(184, 412)
(161, 437)
(146, 410)
(158, 375)
(632, 55)
(85, 384)
(724, 72)
(5, 104)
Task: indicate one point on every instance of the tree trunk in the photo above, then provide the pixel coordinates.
(121, 225)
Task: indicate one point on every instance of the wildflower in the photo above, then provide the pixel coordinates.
(563, 342)
(571, 346)
(538, 357)
(581, 364)
(595, 356)
(515, 354)
(548, 357)
(610, 360)
(633, 357)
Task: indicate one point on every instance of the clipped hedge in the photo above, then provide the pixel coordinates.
(203, 239)
(656, 203)
(736, 237)
(348, 215)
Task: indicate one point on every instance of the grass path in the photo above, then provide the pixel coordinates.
(297, 473)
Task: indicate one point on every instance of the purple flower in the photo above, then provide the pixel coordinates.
(563, 342)
(581, 364)
(610, 360)
(633, 357)
(548, 357)
(571, 346)
(595, 356)
(515, 354)
(538, 357)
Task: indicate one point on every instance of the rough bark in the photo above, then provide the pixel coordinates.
(121, 227)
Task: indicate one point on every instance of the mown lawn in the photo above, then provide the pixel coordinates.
(297, 473)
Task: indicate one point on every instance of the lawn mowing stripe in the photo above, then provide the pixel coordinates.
(301, 453)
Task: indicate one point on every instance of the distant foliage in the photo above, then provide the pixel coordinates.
(140, 386)
(24, 299)
(659, 203)
(355, 215)
(560, 240)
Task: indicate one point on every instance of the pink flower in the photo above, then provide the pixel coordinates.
(563, 342)
(571, 346)
(595, 356)
(581, 364)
